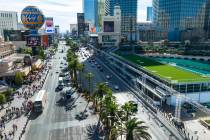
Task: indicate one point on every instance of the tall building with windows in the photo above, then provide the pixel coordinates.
(80, 24)
(149, 13)
(182, 19)
(90, 9)
(8, 21)
(128, 16)
(101, 13)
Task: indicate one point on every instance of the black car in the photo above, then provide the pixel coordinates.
(61, 75)
(101, 69)
(59, 88)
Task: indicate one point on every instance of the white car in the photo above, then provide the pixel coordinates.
(116, 87)
(107, 77)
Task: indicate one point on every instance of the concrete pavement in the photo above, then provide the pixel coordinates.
(20, 121)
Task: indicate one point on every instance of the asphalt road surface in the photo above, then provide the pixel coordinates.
(122, 94)
(58, 120)
(57, 123)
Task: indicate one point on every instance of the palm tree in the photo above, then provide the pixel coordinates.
(127, 109)
(101, 90)
(108, 111)
(80, 68)
(89, 77)
(135, 129)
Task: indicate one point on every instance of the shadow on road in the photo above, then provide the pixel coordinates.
(94, 132)
(69, 103)
(63, 102)
(33, 115)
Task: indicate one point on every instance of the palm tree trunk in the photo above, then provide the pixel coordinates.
(75, 77)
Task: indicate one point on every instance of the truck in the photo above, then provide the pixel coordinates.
(40, 101)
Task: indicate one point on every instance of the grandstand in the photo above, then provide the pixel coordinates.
(172, 74)
(181, 79)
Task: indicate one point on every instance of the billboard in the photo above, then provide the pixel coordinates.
(32, 18)
(15, 35)
(33, 40)
(80, 24)
(108, 26)
(93, 29)
(45, 41)
(49, 25)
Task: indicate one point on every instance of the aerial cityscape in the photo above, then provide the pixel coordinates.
(105, 70)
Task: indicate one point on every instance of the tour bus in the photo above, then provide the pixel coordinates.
(40, 101)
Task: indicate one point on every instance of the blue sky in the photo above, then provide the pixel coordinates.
(63, 11)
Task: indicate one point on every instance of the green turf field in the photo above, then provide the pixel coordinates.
(167, 72)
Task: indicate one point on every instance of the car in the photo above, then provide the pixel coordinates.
(92, 65)
(101, 70)
(62, 74)
(57, 72)
(107, 83)
(59, 88)
(116, 87)
(68, 84)
(61, 62)
(107, 77)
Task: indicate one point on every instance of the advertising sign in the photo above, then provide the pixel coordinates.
(108, 26)
(45, 41)
(93, 29)
(49, 25)
(33, 41)
(32, 18)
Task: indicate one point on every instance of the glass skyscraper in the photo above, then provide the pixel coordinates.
(182, 19)
(128, 13)
(90, 9)
(101, 13)
(149, 13)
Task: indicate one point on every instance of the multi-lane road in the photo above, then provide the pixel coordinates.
(57, 123)
(123, 94)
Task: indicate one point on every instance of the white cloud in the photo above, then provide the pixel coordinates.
(63, 11)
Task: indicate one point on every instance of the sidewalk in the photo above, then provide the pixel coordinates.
(19, 103)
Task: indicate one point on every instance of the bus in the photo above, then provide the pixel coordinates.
(40, 101)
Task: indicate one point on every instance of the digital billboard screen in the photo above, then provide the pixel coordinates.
(45, 41)
(33, 41)
(49, 25)
(108, 26)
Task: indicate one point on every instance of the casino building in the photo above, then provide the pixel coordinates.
(111, 29)
(8, 20)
